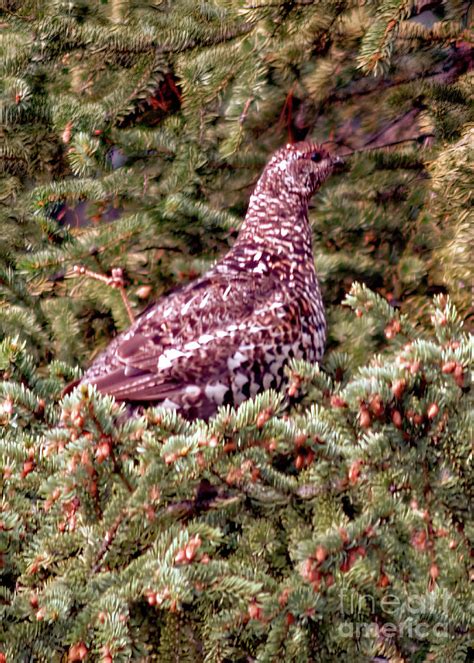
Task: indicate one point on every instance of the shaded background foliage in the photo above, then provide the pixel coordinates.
(131, 136)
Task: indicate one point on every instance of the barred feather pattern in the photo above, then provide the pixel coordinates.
(228, 335)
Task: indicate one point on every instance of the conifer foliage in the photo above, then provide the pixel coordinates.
(331, 521)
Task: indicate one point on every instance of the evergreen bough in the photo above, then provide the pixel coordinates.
(330, 522)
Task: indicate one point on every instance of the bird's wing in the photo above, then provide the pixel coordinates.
(189, 338)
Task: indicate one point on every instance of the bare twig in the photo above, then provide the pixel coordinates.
(108, 540)
(116, 281)
(244, 113)
(351, 150)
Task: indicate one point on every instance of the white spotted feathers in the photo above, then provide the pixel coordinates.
(227, 335)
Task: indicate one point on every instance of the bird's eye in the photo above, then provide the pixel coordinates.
(316, 157)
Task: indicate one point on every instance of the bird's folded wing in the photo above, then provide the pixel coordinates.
(194, 336)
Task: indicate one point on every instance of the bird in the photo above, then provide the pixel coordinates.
(228, 335)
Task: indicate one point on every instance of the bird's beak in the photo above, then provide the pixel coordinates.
(338, 164)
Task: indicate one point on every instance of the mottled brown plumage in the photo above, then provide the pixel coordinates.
(227, 335)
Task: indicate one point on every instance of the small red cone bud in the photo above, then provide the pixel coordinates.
(369, 237)
(398, 388)
(459, 375)
(39, 410)
(77, 420)
(143, 292)
(103, 451)
(290, 618)
(389, 333)
(283, 598)
(254, 610)
(433, 411)
(3, 658)
(383, 581)
(307, 569)
(329, 580)
(448, 367)
(392, 329)
(418, 419)
(191, 547)
(77, 652)
(255, 475)
(28, 466)
(376, 405)
(418, 540)
(7, 407)
(150, 513)
(396, 419)
(316, 584)
(151, 597)
(66, 135)
(337, 401)
(345, 565)
(359, 313)
(353, 555)
(365, 419)
(310, 456)
(106, 655)
(415, 367)
(292, 389)
(180, 556)
(34, 601)
(300, 440)
(453, 544)
(354, 472)
(315, 576)
(321, 554)
(295, 384)
(434, 571)
(344, 535)
(299, 461)
(272, 446)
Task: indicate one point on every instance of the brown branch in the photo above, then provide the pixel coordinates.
(116, 281)
(119, 473)
(244, 113)
(380, 147)
(392, 124)
(108, 540)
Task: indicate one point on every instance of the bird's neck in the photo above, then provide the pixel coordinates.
(277, 225)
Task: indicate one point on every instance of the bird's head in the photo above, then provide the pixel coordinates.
(298, 168)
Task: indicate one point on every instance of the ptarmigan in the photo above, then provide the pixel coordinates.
(227, 336)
